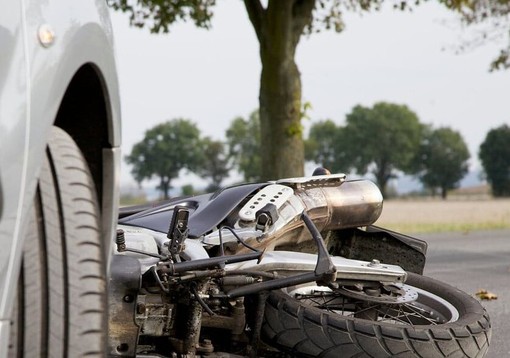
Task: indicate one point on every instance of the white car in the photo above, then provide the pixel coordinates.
(59, 165)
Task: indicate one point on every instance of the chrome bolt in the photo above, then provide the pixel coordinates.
(375, 263)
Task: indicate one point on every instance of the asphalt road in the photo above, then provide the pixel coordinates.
(472, 261)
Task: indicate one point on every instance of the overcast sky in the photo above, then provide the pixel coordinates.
(407, 58)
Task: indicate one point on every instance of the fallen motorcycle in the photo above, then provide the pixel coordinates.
(287, 268)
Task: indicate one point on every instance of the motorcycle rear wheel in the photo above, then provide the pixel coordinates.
(442, 322)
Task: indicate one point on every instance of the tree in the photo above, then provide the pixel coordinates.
(326, 146)
(382, 140)
(243, 140)
(165, 150)
(188, 190)
(442, 159)
(492, 21)
(217, 164)
(495, 157)
(279, 26)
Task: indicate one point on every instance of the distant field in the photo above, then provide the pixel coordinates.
(422, 215)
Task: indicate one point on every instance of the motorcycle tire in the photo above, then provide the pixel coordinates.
(303, 330)
(61, 307)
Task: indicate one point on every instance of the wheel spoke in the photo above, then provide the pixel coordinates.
(420, 313)
(405, 313)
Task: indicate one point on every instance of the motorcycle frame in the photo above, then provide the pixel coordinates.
(294, 267)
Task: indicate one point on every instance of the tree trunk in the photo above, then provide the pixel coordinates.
(382, 182)
(382, 176)
(444, 193)
(278, 29)
(164, 186)
(280, 119)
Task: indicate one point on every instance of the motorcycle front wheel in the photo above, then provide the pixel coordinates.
(430, 319)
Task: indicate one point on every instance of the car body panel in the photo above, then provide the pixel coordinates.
(13, 129)
(33, 81)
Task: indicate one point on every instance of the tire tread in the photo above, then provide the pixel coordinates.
(64, 293)
(352, 337)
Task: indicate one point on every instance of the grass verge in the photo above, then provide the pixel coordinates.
(428, 216)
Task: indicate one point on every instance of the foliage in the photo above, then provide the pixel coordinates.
(158, 15)
(442, 159)
(382, 140)
(165, 150)
(495, 157)
(217, 164)
(188, 190)
(325, 146)
(492, 21)
(243, 140)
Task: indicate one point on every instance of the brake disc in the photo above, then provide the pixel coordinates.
(389, 294)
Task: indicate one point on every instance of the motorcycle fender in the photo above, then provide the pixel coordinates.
(387, 246)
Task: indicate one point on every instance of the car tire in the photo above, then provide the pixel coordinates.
(61, 304)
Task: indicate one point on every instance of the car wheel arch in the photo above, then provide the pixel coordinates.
(86, 113)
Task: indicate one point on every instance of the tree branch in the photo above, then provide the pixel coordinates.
(302, 16)
(256, 14)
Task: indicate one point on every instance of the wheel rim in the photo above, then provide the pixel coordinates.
(413, 306)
